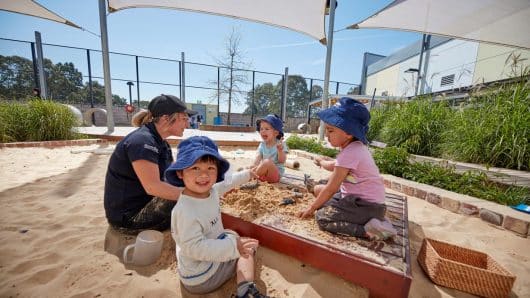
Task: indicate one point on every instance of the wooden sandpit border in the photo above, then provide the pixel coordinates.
(380, 281)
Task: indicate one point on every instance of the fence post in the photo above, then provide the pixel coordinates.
(183, 79)
(40, 65)
(137, 83)
(218, 90)
(35, 67)
(310, 100)
(284, 95)
(253, 93)
(90, 92)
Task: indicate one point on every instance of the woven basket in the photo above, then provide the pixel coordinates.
(464, 269)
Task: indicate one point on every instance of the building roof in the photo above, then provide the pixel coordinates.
(365, 99)
(404, 54)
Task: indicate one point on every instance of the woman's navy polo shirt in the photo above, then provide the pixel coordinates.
(124, 194)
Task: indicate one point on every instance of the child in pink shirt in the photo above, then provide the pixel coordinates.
(352, 201)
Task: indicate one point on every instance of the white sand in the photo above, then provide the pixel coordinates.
(55, 241)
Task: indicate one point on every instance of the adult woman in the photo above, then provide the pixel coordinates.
(136, 197)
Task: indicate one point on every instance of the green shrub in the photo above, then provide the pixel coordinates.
(417, 126)
(493, 130)
(310, 145)
(38, 120)
(14, 121)
(378, 118)
(394, 161)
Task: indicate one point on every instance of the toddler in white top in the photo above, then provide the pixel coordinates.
(207, 254)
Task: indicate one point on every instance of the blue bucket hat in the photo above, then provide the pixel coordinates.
(348, 115)
(189, 151)
(275, 121)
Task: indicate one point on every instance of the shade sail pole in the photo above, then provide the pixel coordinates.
(106, 65)
(325, 101)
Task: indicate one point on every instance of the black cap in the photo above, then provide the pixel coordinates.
(167, 105)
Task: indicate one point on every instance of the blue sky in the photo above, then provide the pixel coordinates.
(166, 33)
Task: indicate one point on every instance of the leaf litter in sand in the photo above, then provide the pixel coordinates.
(262, 205)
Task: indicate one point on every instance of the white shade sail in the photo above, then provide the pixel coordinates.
(31, 8)
(494, 21)
(304, 16)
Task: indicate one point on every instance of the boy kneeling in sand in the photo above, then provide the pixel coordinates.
(207, 254)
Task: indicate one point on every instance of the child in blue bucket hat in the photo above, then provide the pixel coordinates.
(272, 150)
(352, 202)
(207, 254)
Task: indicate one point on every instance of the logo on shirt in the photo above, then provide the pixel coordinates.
(213, 222)
(152, 148)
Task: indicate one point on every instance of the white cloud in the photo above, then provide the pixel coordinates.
(286, 45)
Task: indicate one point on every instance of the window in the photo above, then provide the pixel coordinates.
(447, 80)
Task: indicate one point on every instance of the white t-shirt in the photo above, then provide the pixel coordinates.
(196, 227)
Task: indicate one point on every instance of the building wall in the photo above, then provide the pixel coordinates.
(456, 57)
(407, 80)
(491, 62)
(453, 58)
(208, 111)
(368, 58)
(385, 81)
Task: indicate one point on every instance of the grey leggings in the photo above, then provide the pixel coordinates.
(156, 215)
(347, 216)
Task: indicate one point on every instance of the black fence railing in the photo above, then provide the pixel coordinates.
(75, 75)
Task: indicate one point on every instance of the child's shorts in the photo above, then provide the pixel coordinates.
(225, 271)
(350, 209)
(347, 216)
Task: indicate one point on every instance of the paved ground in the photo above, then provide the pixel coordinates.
(222, 138)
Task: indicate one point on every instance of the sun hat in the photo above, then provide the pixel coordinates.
(348, 115)
(167, 105)
(275, 121)
(189, 151)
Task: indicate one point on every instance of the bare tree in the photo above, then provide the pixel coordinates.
(233, 78)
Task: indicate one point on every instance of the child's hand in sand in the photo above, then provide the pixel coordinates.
(306, 213)
(253, 173)
(247, 246)
(317, 161)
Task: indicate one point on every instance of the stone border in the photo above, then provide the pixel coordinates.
(493, 213)
(53, 144)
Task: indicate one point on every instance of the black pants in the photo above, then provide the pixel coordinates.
(156, 215)
(347, 216)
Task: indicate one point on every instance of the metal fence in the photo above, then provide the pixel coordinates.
(137, 78)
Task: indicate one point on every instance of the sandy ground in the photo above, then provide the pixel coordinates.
(55, 241)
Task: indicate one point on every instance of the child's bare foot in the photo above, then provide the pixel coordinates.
(379, 230)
